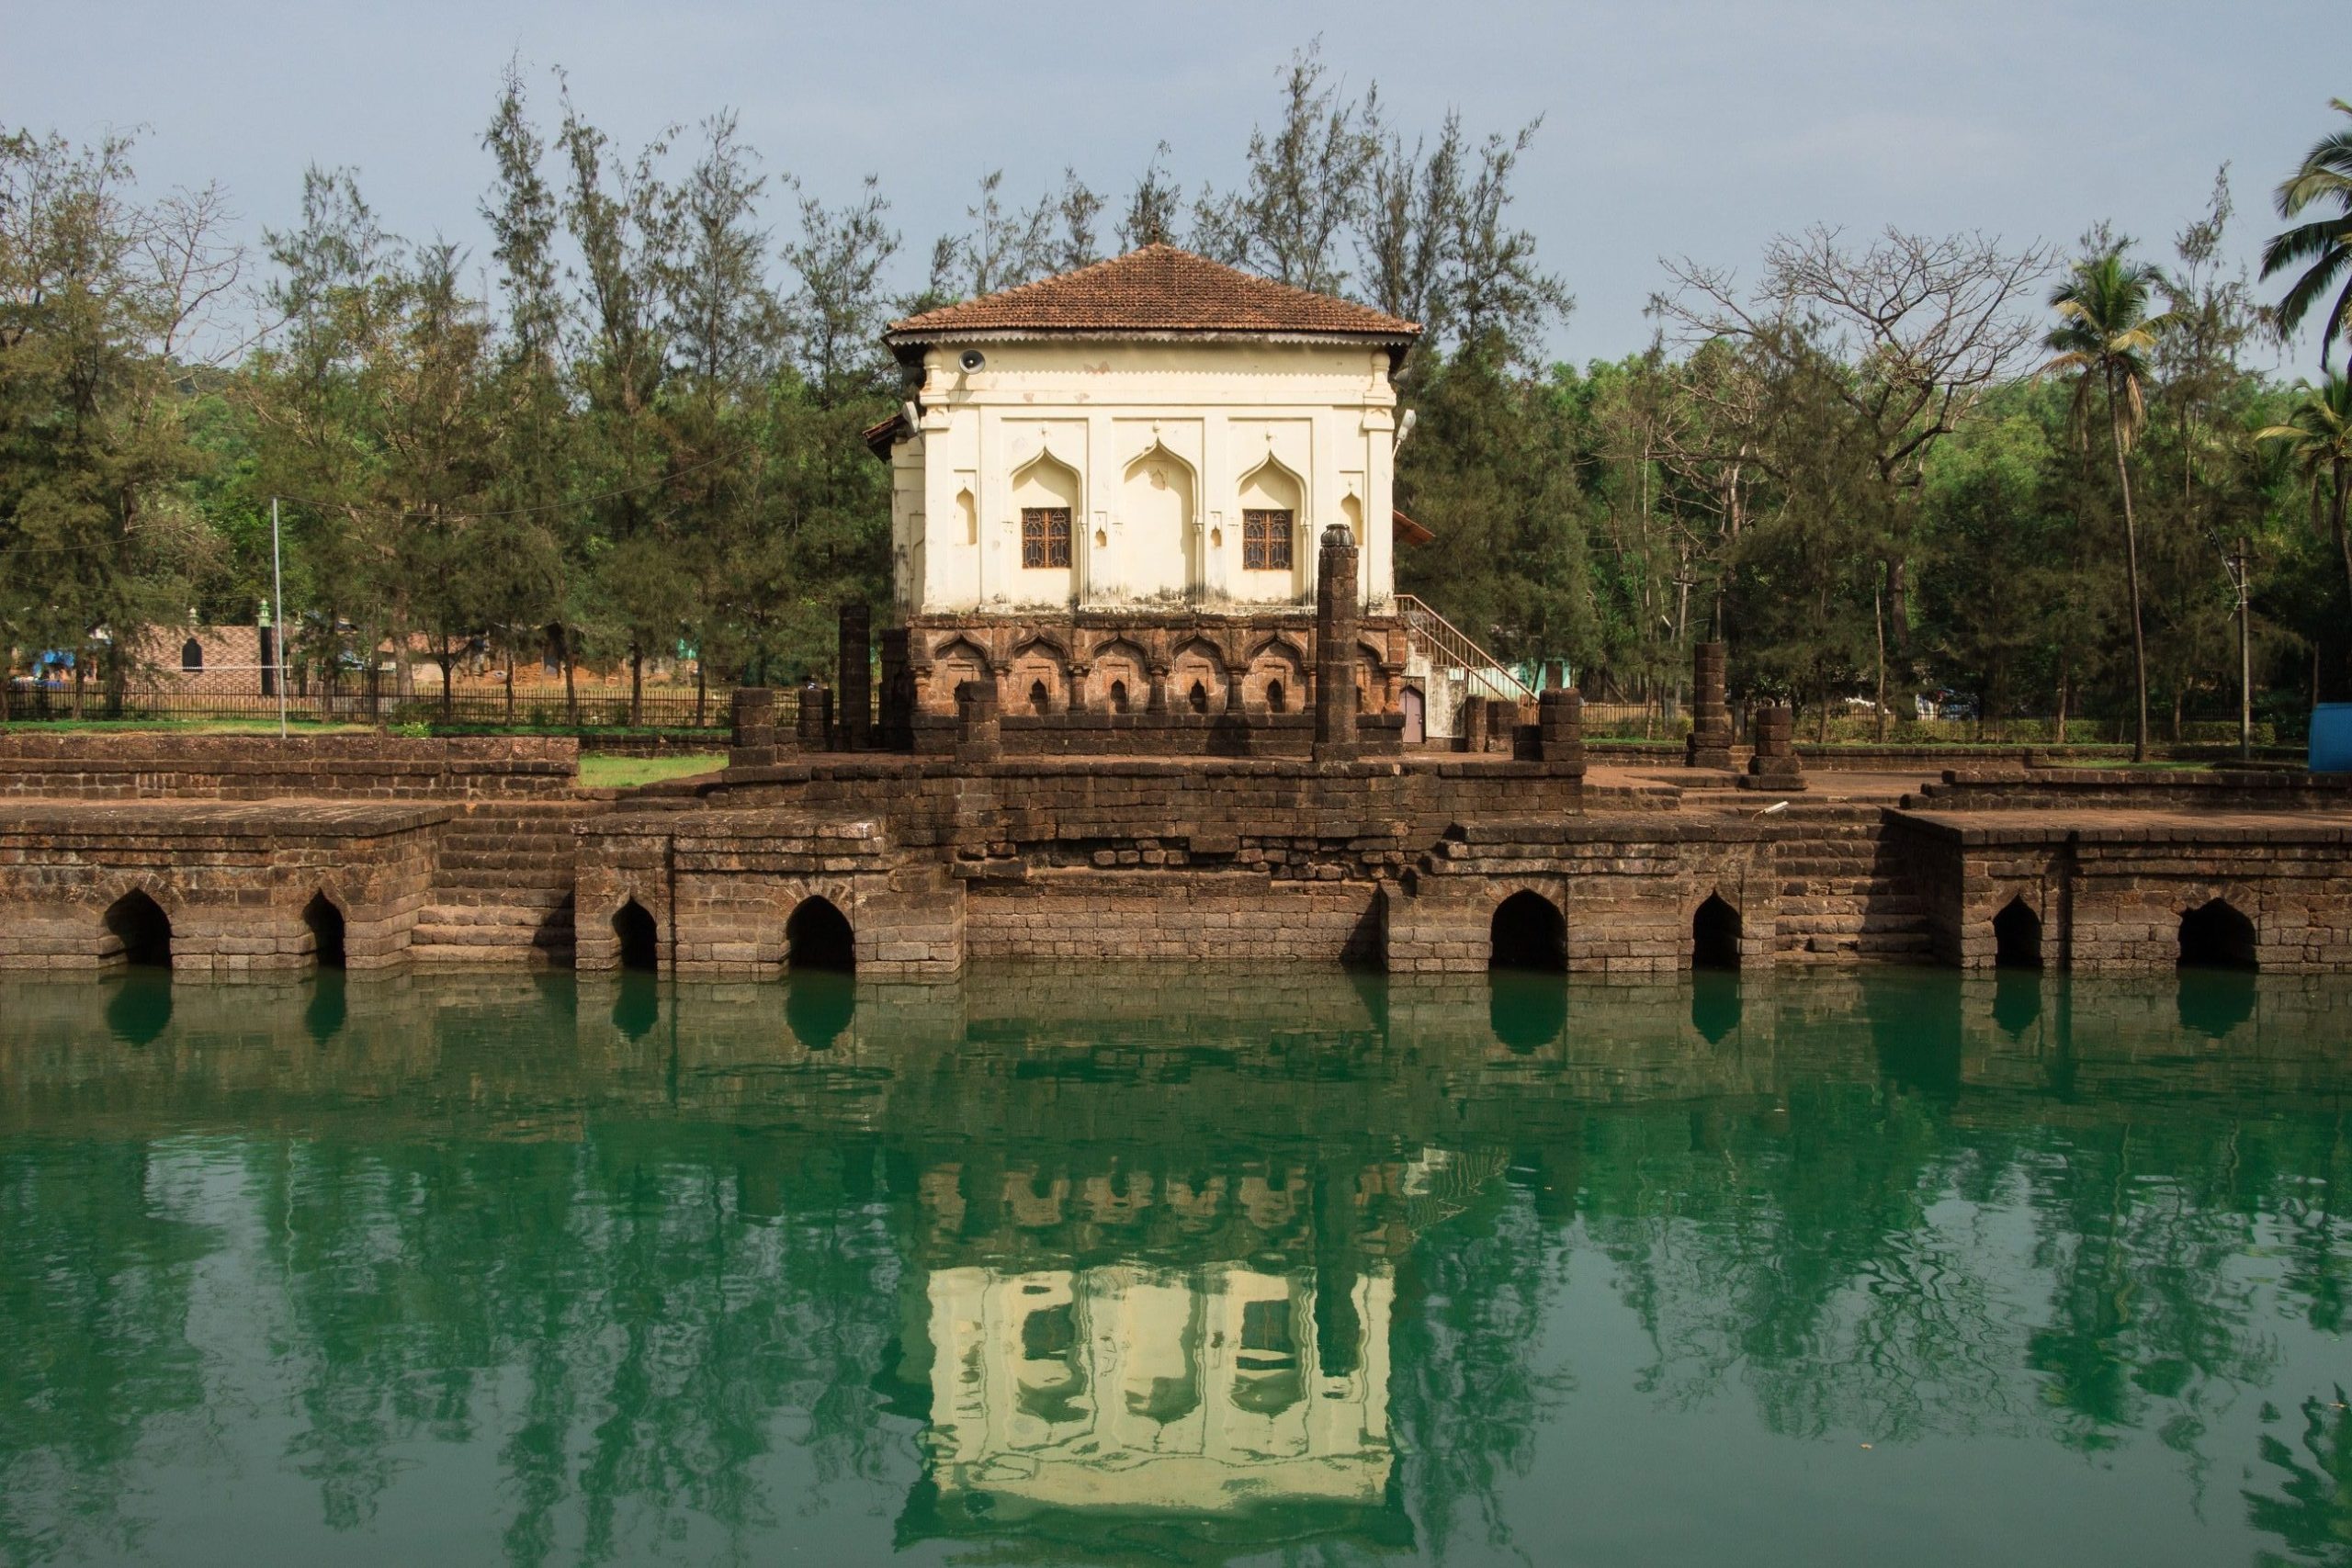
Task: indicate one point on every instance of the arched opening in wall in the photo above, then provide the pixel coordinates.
(1040, 700)
(1714, 935)
(817, 936)
(1200, 697)
(2215, 936)
(2017, 937)
(324, 922)
(1118, 696)
(1528, 931)
(192, 655)
(1277, 701)
(138, 923)
(639, 938)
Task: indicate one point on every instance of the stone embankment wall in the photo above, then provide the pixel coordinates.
(236, 887)
(459, 851)
(140, 765)
(432, 850)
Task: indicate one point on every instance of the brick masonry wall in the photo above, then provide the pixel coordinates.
(1627, 887)
(141, 765)
(2112, 897)
(232, 881)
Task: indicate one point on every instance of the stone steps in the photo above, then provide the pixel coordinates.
(503, 887)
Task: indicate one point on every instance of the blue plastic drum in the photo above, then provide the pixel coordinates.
(2332, 738)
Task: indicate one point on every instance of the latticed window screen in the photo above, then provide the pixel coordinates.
(1265, 539)
(1044, 535)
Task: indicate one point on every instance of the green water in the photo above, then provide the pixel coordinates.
(1110, 1266)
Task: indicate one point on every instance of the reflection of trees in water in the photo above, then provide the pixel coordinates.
(661, 1309)
(689, 1255)
(97, 1267)
(2310, 1511)
(1466, 1401)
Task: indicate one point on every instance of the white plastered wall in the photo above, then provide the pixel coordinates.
(1151, 445)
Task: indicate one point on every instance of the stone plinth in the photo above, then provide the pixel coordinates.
(1774, 765)
(1709, 743)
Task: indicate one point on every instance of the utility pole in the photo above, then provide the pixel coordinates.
(2239, 563)
(277, 613)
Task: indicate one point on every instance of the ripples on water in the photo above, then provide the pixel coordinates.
(1138, 1266)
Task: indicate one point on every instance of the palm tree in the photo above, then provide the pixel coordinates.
(2324, 179)
(2103, 338)
(2321, 432)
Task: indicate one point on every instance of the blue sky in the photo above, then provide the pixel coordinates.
(1681, 127)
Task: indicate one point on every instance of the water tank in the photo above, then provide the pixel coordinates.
(2332, 738)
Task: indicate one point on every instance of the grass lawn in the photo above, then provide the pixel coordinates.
(598, 771)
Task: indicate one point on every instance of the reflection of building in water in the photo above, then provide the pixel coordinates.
(1134, 1387)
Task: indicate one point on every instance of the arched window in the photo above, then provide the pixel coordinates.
(1118, 696)
(1714, 935)
(1528, 932)
(817, 936)
(1199, 697)
(192, 655)
(144, 931)
(2215, 936)
(1039, 702)
(1276, 700)
(639, 938)
(2017, 937)
(324, 922)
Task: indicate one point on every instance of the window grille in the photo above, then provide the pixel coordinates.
(1044, 535)
(1265, 539)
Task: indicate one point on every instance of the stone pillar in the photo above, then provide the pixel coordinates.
(1337, 616)
(854, 674)
(1775, 766)
(753, 721)
(897, 731)
(1709, 743)
(816, 720)
(1559, 727)
(1470, 718)
(978, 738)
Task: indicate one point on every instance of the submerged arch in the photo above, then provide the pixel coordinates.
(137, 922)
(1528, 931)
(2215, 935)
(817, 936)
(322, 918)
(1714, 934)
(2016, 936)
(639, 937)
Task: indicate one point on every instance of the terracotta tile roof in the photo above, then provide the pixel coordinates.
(1412, 533)
(1159, 289)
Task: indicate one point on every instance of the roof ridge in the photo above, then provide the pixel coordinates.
(1157, 287)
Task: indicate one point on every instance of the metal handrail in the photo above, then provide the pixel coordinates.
(1444, 638)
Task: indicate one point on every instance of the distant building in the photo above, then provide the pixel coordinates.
(1109, 488)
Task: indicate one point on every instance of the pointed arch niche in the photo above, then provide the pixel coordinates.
(1048, 516)
(1158, 512)
(1272, 487)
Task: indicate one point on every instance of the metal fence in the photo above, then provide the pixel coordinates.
(598, 708)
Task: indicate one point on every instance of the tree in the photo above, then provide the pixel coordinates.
(1153, 206)
(2318, 437)
(1304, 186)
(543, 549)
(2104, 337)
(1922, 326)
(100, 298)
(624, 220)
(2322, 246)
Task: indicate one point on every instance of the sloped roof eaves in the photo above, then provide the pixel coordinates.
(1159, 289)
